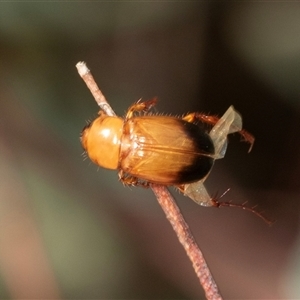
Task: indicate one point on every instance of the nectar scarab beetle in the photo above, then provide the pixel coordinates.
(159, 149)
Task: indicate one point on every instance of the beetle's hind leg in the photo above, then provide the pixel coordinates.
(230, 116)
(197, 192)
(140, 107)
(129, 180)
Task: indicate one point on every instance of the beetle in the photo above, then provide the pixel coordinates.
(146, 148)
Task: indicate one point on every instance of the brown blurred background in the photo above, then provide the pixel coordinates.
(71, 230)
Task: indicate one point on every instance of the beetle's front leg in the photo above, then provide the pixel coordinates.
(140, 107)
(131, 180)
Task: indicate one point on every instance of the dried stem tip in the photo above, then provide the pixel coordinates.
(82, 68)
(88, 78)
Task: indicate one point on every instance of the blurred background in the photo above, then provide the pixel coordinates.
(69, 229)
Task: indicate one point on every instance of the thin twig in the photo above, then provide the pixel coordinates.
(167, 203)
(88, 78)
(187, 240)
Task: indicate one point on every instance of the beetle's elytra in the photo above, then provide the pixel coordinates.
(161, 149)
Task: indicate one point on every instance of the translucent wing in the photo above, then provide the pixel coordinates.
(230, 122)
(197, 192)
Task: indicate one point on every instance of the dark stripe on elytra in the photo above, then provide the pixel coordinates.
(201, 164)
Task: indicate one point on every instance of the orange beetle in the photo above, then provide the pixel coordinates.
(161, 149)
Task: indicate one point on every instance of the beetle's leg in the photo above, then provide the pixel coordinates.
(248, 138)
(140, 107)
(131, 180)
(212, 120)
(195, 116)
(217, 203)
(101, 113)
(197, 192)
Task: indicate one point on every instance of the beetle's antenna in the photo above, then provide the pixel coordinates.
(216, 203)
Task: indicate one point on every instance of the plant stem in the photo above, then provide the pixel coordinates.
(167, 203)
